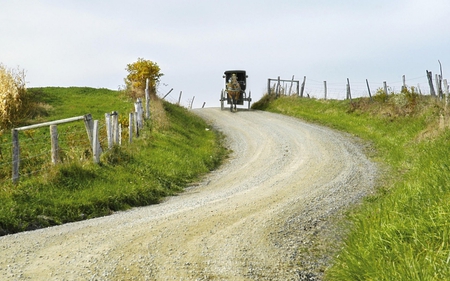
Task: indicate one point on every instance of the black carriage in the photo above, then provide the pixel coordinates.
(242, 79)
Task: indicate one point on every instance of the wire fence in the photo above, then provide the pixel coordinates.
(338, 90)
(35, 149)
(30, 151)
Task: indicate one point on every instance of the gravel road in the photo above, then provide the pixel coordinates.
(267, 214)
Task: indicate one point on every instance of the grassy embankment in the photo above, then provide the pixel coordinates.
(173, 150)
(402, 232)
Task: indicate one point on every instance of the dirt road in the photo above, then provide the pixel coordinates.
(264, 215)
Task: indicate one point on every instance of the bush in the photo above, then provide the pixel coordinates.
(138, 73)
(12, 92)
(380, 95)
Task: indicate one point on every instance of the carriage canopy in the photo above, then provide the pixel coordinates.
(241, 77)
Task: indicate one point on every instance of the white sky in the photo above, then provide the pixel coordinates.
(90, 42)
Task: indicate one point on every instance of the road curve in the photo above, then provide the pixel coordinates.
(248, 220)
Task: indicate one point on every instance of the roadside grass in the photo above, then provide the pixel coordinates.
(402, 231)
(168, 155)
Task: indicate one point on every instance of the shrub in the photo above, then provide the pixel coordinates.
(138, 73)
(12, 92)
(380, 95)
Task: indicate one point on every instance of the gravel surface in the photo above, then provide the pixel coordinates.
(267, 214)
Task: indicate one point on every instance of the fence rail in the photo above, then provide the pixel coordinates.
(32, 151)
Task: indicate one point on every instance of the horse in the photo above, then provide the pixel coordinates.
(233, 91)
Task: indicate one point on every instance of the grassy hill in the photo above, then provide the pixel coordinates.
(402, 231)
(173, 150)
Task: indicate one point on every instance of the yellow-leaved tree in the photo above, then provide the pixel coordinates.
(12, 93)
(138, 72)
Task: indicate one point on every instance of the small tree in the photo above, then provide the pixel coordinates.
(12, 93)
(138, 72)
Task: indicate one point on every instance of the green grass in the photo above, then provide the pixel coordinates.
(401, 232)
(75, 101)
(161, 162)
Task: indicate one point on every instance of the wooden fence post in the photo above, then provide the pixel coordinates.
(120, 134)
(95, 143)
(277, 91)
(385, 88)
(349, 94)
(130, 127)
(325, 89)
(147, 99)
(303, 86)
(430, 83)
(88, 123)
(138, 109)
(15, 155)
(439, 86)
(136, 127)
(115, 127)
(368, 89)
(108, 129)
(404, 82)
(192, 102)
(179, 98)
(290, 87)
(54, 143)
(167, 93)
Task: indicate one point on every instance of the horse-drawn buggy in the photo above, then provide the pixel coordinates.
(234, 93)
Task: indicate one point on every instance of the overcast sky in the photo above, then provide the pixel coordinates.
(90, 42)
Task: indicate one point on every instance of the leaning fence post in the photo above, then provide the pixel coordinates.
(277, 91)
(430, 83)
(192, 102)
(368, 89)
(292, 82)
(303, 86)
(15, 155)
(179, 97)
(54, 143)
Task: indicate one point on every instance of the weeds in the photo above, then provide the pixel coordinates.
(401, 232)
(168, 155)
(12, 93)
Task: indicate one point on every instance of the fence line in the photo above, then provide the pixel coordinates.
(363, 88)
(39, 141)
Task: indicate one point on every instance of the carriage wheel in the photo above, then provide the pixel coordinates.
(221, 100)
(249, 99)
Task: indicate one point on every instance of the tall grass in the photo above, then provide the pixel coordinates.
(161, 162)
(401, 232)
